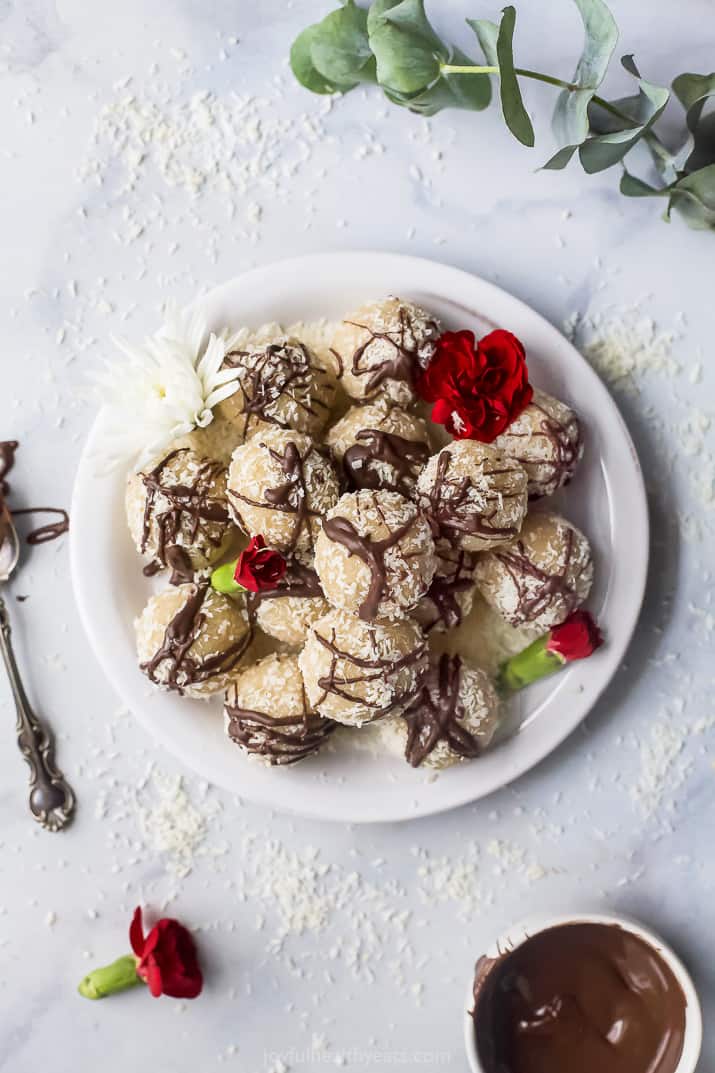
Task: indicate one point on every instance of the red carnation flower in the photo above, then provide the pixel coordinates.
(166, 958)
(259, 568)
(576, 638)
(477, 389)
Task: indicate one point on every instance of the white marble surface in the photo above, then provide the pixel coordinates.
(94, 240)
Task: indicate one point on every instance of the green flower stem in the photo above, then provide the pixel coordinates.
(118, 976)
(222, 579)
(529, 665)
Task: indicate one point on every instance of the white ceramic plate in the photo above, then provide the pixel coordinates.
(606, 499)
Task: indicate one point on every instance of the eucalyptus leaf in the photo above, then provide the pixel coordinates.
(693, 92)
(632, 186)
(340, 49)
(301, 61)
(693, 197)
(570, 120)
(488, 34)
(408, 52)
(515, 114)
(604, 150)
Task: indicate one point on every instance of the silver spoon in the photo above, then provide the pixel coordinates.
(52, 800)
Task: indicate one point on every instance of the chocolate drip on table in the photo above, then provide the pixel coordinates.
(405, 457)
(43, 533)
(287, 739)
(290, 497)
(521, 567)
(377, 668)
(275, 374)
(371, 552)
(400, 367)
(175, 650)
(188, 505)
(434, 713)
(444, 510)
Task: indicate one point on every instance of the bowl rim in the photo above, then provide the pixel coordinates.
(516, 934)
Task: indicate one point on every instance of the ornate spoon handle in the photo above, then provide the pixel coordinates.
(52, 801)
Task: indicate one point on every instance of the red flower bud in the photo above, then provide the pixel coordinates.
(166, 958)
(259, 568)
(477, 389)
(576, 638)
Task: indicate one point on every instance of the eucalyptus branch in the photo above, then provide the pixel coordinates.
(391, 43)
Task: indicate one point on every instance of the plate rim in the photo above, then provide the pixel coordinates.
(532, 752)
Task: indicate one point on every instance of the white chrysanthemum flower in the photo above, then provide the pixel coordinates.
(164, 387)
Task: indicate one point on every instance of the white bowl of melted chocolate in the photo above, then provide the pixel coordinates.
(390, 531)
(590, 993)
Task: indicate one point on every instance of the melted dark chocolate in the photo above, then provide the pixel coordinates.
(280, 739)
(434, 714)
(588, 997)
(376, 669)
(187, 506)
(371, 552)
(175, 650)
(449, 512)
(404, 457)
(402, 364)
(280, 370)
(298, 582)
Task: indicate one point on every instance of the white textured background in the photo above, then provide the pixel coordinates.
(150, 151)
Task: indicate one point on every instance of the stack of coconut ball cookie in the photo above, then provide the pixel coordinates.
(386, 537)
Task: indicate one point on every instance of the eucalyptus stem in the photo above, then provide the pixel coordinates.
(468, 69)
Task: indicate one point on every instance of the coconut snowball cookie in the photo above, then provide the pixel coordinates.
(268, 714)
(375, 554)
(449, 598)
(280, 384)
(289, 610)
(382, 346)
(280, 485)
(473, 495)
(546, 439)
(178, 513)
(190, 639)
(355, 672)
(539, 579)
(380, 445)
(452, 718)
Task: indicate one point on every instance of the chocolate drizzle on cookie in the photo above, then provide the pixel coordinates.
(364, 463)
(173, 666)
(298, 582)
(532, 600)
(182, 514)
(281, 740)
(281, 371)
(566, 442)
(371, 552)
(403, 359)
(456, 577)
(450, 512)
(376, 668)
(434, 715)
(289, 497)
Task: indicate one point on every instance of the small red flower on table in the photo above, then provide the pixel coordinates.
(477, 389)
(165, 959)
(259, 568)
